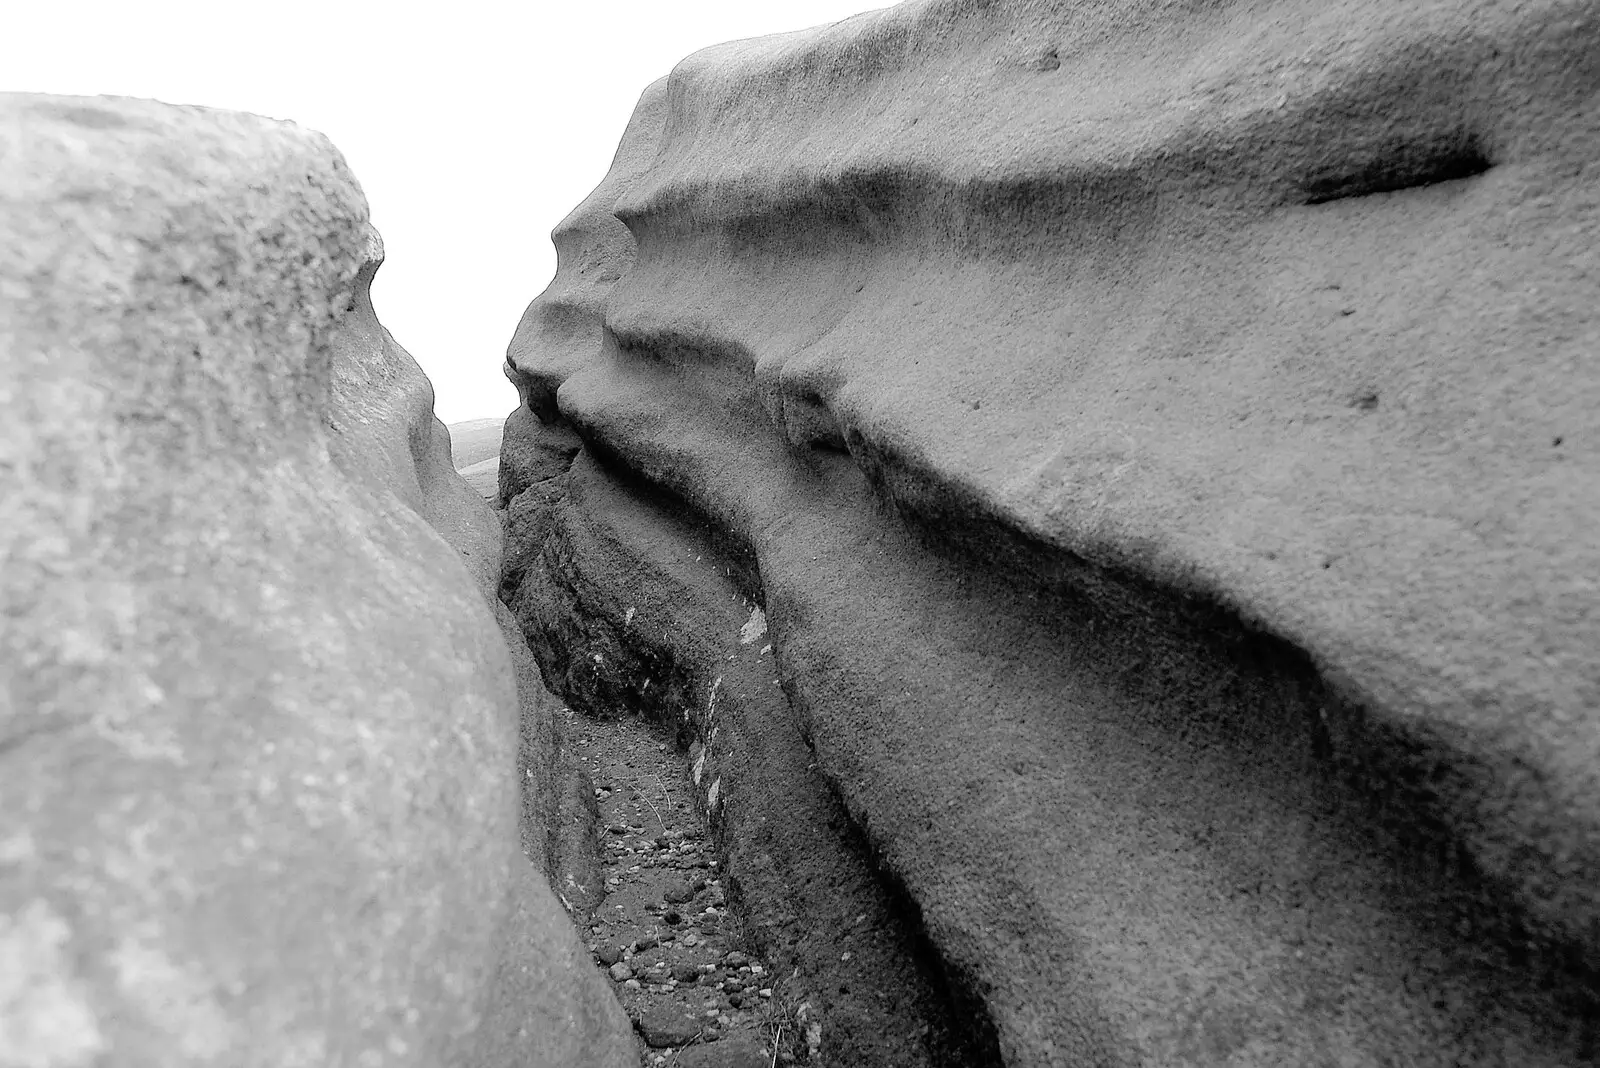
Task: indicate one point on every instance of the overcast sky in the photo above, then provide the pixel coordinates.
(474, 126)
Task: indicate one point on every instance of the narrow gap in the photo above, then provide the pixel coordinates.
(1407, 165)
(832, 1005)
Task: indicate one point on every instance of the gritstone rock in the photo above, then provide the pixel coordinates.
(1126, 472)
(259, 726)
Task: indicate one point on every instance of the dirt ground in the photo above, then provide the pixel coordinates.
(665, 934)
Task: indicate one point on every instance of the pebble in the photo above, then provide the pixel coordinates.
(664, 1026)
(665, 987)
(732, 1052)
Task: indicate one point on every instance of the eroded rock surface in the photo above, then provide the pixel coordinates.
(1115, 484)
(259, 725)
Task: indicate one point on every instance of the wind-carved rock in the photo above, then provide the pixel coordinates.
(1160, 445)
(259, 726)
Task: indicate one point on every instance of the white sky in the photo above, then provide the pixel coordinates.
(473, 126)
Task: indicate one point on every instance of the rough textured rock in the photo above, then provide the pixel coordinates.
(258, 725)
(735, 1053)
(1158, 441)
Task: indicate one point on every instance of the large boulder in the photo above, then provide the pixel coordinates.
(259, 725)
(1137, 459)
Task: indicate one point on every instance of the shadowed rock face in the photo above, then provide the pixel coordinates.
(1157, 439)
(259, 728)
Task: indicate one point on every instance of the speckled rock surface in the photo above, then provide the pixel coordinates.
(1158, 437)
(259, 728)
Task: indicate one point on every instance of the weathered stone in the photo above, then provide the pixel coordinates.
(664, 1026)
(1153, 443)
(258, 724)
(735, 1052)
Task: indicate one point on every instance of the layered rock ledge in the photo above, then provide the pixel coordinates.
(1109, 492)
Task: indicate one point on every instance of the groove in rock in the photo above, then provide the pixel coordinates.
(797, 871)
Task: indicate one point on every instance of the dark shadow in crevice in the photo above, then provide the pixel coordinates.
(961, 1032)
(1449, 157)
(664, 676)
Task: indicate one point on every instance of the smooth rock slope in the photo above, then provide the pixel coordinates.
(1109, 491)
(259, 724)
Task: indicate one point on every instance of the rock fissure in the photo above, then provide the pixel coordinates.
(1034, 533)
(1104, 449)
(673, 641)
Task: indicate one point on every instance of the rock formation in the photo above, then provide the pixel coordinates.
(1107, 495)
(261, 731)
